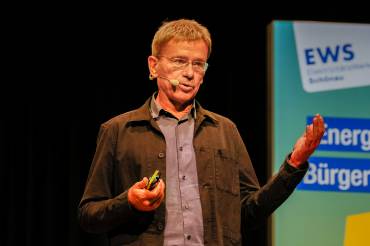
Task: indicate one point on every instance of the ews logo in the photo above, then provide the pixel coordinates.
(329, 54)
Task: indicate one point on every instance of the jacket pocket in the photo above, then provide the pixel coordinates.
(226, 172)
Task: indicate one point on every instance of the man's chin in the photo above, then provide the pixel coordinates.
(184, 99)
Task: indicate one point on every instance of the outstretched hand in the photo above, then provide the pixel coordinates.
(308, 142)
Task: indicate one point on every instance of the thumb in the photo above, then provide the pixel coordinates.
(141, 184)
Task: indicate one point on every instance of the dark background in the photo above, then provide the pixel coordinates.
(70, 68)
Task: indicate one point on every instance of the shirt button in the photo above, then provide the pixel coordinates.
(188, 237)
(180, 148)
(161, 155)
(187, 206)
(160, 226)
(183, 177)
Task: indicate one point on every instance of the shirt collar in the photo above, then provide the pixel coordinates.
(144, 114)
(156, 109)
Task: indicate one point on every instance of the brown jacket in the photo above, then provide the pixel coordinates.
(131, 146)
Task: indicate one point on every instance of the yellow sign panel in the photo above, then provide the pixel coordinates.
(357, 230)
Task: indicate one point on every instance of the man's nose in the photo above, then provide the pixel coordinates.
(189, 71)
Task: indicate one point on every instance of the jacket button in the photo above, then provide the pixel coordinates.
(161, 155)
(160, 226)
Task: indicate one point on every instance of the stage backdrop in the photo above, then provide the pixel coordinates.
(318, 67)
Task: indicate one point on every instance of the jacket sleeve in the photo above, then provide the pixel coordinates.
(257, 202)
(98, 210)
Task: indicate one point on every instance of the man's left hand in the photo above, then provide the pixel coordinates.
(308, 142)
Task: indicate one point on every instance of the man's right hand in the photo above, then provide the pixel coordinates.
(145, 200)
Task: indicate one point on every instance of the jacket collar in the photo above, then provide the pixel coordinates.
(143, 113)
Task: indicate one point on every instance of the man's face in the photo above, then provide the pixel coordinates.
(183, 61)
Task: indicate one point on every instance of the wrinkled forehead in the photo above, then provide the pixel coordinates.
(197, 47)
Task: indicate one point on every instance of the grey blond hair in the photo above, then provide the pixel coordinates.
(180, 30)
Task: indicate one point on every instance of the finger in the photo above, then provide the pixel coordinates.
(146, 180)
(319, 117)
(321, 125)
(141, 184)
(153, 201)
(161, 189)
(151, 194)
(163, 186)
(151, 204)
(161, 193)
(315, 127)
(157, 191)
(309, 129)
(309, 135)
(156, 203)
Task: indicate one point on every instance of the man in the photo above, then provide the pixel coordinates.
(208, 189)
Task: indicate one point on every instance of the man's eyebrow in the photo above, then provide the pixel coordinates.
(187, 58)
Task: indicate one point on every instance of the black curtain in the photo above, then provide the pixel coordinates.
(70, 68)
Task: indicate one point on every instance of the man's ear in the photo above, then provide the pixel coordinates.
(152, 65)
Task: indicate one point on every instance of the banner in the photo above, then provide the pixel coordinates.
(318, 67)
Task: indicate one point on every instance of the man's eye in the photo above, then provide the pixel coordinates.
(179, 61)
(198, 64)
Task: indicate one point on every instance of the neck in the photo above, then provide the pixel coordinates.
(175, 108)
